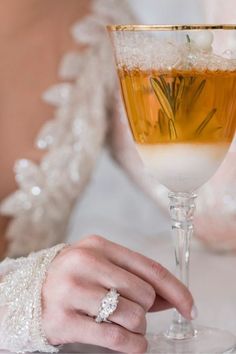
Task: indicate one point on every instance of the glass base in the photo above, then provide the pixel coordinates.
(206, 341)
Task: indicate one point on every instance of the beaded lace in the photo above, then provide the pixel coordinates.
(20, 299)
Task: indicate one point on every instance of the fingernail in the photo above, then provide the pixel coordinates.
(194, 312)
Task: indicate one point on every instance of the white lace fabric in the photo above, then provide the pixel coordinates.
(72, 140)
(20, 302)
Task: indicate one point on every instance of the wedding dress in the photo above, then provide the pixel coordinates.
(87, 107)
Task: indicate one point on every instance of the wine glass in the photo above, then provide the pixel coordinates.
(179, 90)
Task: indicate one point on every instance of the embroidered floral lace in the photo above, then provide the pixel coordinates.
(20, 301)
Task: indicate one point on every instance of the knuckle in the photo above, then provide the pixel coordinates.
(81, 256)
(117, 337)
(93, 241)
(142, 347)
(137, 317)
(159, 271)
(149, 297)
(70, 258)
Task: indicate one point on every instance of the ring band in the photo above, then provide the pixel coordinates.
(108, 305)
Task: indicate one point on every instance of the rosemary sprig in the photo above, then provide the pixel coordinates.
(170, 95)
(179, 94)
(198, 92)
(162, 96)
(205, 122)
(188, 38)
(164, 93)
(165, 86)
(172, 130)
(161, 121)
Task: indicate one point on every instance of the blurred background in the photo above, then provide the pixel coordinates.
(168, 11)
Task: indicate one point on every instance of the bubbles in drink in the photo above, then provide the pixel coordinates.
(145, 52)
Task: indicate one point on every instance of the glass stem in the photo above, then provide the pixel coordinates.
(182, 207)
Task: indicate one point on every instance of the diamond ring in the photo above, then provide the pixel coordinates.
(108, 305)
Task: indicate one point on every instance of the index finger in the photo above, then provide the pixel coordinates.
(165, 284)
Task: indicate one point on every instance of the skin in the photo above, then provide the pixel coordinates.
(80, 276)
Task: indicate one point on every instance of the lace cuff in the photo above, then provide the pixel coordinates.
(20, 301)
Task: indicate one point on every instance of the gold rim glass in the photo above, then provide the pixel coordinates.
(178, 84)
(177, 27)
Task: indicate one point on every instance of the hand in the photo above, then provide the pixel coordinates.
(80, 276)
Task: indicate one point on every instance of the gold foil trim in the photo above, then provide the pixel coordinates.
(129, 27)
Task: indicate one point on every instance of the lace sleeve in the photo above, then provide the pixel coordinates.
(21, 282)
